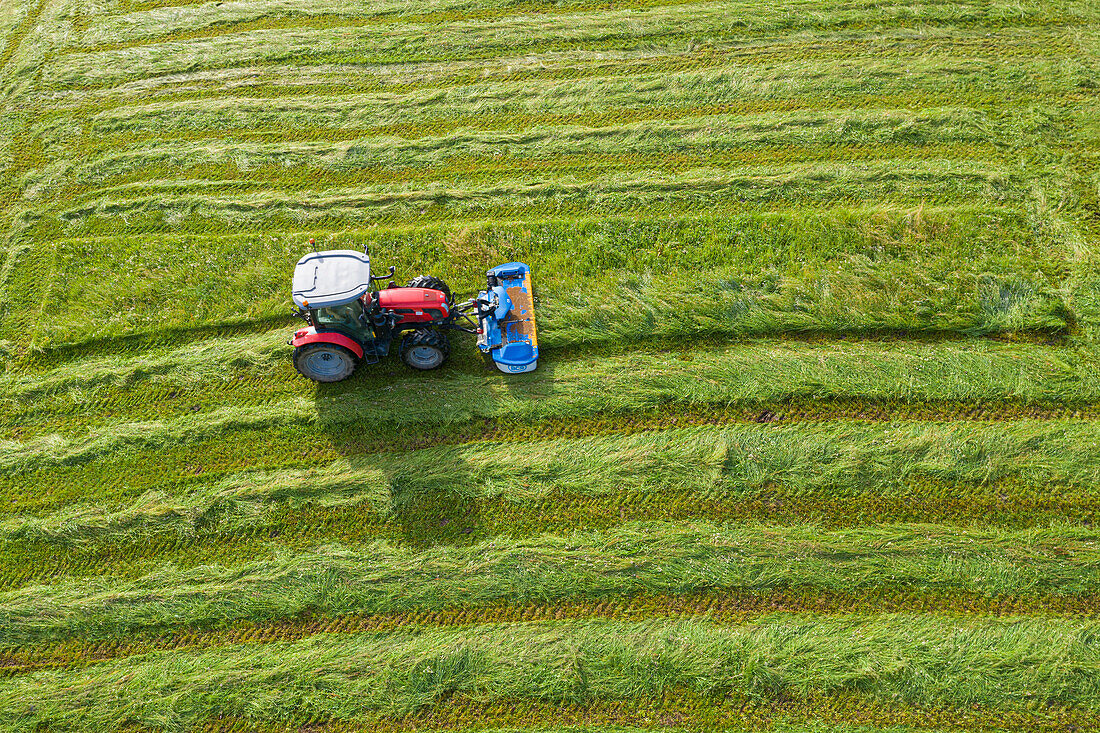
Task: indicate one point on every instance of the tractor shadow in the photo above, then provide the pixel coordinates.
(434, 495)
(429, 493)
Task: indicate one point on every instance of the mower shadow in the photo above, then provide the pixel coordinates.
(435, 496)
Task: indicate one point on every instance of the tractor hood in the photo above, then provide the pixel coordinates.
(323, 279)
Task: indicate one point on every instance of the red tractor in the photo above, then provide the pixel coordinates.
(349, 321)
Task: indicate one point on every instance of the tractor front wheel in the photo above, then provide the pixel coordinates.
(431, 282)
(425, 348)
(324, 362)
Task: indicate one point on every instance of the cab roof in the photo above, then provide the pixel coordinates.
(333, 277)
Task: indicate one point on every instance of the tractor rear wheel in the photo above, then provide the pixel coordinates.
(425, 348)
(324, 362)
(432, 282)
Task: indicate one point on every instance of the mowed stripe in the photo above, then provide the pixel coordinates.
(490, 169)
(553, 72)
(275, 134)
(984, 83)
(205, 20)
(712, 140)
(203, 206)
(118, 33)
(112, 477)
(646, 558)
(580, 23)
(848, 474)
(478, 41)
(726, 606)
(364, 677)
(449, 517)
(997, 380)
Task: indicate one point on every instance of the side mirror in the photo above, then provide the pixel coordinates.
(384, 277)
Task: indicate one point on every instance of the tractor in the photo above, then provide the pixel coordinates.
(349, 320)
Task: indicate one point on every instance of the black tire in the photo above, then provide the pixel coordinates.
(425, 349)
(432, 282)
(324, 362)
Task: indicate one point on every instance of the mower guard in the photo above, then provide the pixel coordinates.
(507, 319)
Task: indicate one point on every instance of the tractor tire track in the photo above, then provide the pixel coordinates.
(726, 606)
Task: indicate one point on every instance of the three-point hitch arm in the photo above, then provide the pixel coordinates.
(462, 310)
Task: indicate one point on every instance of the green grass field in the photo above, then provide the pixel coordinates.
(814, 444)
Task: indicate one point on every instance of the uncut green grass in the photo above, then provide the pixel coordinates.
(901, 660)
(977, 271)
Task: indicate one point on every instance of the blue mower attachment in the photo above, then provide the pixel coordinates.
(506, 318)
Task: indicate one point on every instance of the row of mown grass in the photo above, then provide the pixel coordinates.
(197, 21)
(707, 141)
(589, 88)
(1033, 571)
(903, 662)
(518, 103)
(971, 380)
(699, 23)
(200, 207)
(724, 605)
(1031, 473)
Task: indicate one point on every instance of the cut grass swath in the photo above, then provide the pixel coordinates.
(1031, 473)
(904, 662)
(1032, 571)
(719, 605)
(998, 380)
